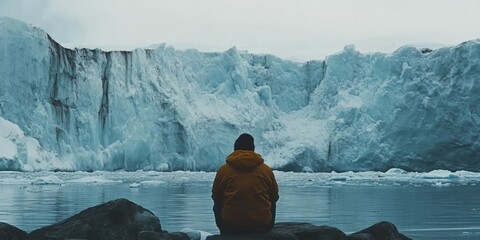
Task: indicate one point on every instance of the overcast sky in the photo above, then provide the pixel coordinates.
(292, 29)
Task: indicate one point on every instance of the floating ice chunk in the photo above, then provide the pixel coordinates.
(11, 181)
(441, 184)
(152, 182)
(395, 171)
(442, 174)
(135, 185)
(47, 180)
(338, 178)
(94, 179)
(196, 234)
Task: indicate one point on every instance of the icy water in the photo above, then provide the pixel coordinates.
(437, 206)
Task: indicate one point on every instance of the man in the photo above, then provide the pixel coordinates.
(244, 191)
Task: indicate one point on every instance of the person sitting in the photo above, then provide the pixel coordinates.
(244, 191)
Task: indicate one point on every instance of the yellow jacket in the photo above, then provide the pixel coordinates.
(244, 192)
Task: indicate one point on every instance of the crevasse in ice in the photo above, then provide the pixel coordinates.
(164, 109)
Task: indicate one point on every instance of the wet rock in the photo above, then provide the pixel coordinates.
(380, 231)
(264, 236)
(150, 235)
(310, 231)
(193, 234)
(119, 219)
(307, 231)
(360, 236)
(290, 231)
(9, 232)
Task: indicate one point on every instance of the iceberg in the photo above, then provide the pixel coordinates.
(163, 109)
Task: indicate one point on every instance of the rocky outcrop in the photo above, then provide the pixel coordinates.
(380, 231)
(307, 231)
(151, 235)
(289, 231)
(122, 219)
(9, 232)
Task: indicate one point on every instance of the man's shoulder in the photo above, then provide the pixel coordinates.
(224, 168)
(265, 168)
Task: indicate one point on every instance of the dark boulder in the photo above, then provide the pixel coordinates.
(120, 219)
(309, 231)
(9, 232)
(380, 231)
(290, 231)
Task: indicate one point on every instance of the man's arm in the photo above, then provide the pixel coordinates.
(217, 196)
(273, 189)
(217, 211)
(273, 197)
(274, 213)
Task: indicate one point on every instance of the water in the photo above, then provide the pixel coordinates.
(420, 210)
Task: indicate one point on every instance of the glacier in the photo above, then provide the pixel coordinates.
(163, 109)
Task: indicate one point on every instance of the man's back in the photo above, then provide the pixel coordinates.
(244, 192)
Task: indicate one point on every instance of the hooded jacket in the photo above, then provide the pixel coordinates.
(244, 192)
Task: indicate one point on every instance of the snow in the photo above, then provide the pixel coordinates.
(163, 110)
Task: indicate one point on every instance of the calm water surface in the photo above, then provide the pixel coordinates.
(419, 211)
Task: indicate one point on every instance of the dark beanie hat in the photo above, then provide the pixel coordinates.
(244, 142)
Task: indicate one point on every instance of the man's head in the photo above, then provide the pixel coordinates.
(244, 142)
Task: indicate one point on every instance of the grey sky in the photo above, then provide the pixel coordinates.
(294, 29)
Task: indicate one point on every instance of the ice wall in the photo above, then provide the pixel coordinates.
(163, 109)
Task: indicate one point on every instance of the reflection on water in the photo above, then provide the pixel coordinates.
(421, 212)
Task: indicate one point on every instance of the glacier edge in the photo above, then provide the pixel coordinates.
(164, 109)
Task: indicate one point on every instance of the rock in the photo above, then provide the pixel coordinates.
(307, 231)
(193, 234)
(122, 219)
(9, 232)
(263, 236)
(360, 236)
(151, 235)
(119, 219)
(380, 231)
(290, 231)
(310, 231)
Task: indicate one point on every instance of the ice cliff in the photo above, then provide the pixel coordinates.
(164, 109)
